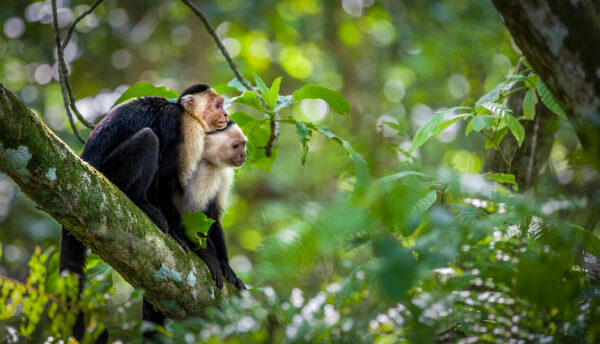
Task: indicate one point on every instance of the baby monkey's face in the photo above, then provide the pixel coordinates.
(226, 148)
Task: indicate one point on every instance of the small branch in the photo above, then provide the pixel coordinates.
(63, 76)
(273, 137)
(81, 16)
(273, 123)
(504, 157)
(220, 45)
(536, 127)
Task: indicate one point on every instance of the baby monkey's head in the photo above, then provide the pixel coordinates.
(226, 147)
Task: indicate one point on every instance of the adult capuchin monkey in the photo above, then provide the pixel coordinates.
(149, 148)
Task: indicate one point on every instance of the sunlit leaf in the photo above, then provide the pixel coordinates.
(479, 123)
(505, 178)
(548, 99)
(304, 134)
(273, 94)
(516, 128)
(529, 102)
(249, 98)
(196, 226)
(144, 89)
(260, 84)
(336, 101)
(235, 83)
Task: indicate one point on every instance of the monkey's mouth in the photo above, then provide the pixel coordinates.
(222, 123)
(238, 162)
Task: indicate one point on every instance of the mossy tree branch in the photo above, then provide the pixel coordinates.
(99, 214)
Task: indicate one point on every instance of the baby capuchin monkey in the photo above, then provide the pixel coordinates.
(208, 190)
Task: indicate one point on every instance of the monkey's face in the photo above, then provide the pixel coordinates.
(226, 148)
(207, 107)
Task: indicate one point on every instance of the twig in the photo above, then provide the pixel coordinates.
(220, 45)
(274, 125)
(61, 72)
(536, 127)
(81, 16)
(504, 157)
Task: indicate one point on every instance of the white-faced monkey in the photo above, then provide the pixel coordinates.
(149, 148)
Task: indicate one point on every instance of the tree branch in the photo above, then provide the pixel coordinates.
(63, 76)
(77, 20)
(99, 215)
(274, 125)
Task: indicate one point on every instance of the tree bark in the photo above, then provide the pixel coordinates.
(560, 39)
(99, 215)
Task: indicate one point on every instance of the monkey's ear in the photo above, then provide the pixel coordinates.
(187, 101)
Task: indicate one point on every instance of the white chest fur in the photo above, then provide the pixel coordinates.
(207, 182)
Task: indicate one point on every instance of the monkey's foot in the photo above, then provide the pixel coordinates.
(230, 275)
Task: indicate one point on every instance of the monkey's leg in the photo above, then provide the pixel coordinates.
(217, 240)
(132, 167)
(72, 258)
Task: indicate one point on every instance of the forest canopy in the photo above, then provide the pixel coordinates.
(417, 171)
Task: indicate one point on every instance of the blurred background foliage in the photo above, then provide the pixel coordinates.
(424, 248)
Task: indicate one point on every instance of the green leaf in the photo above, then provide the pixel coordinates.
(336, 101)
(435, 126)
(143, 89)
(424, 204)
(480, 123)
(548, 99)
(249, 98)
(493, 95)
(505, 178)
(515, 128)
(241, 118)
(426, 132)
(304, 134)
(196, 225)
(260, 84)
(496, 109)
(273, 94)
(529, 103)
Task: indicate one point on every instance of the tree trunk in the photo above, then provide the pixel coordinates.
(98, 214)
(560, 39)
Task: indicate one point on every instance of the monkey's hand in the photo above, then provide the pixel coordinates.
(230, 275)
(212, 264)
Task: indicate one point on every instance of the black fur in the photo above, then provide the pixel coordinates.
(136, 147)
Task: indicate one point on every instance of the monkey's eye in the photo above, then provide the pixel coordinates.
(219, 105)
(235, 146)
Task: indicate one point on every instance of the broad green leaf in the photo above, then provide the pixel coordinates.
(548, 99)
(493, 95)
(273, 93)
(143, 89)
(336, 101)
(241, 118)
(426, 132)
(515, 128)
(396, 176)
(223, 88)
(529, 102)
(479, 123)
(260, 84)
(424, 204)
(196, 225)
(505, 178)
(496, 109)
(249, 98)
(304, 134)
(435, 126)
